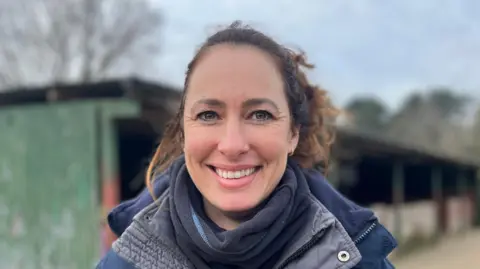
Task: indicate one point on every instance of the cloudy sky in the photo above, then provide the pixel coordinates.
(374, 47)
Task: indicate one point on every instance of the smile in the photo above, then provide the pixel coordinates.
(234, 174)
(235, 178)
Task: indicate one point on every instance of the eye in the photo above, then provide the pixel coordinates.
(207, 116)
(261, 115)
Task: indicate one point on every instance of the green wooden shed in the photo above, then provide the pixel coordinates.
(62, 153)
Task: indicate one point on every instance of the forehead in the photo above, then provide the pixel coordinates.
(236, 71)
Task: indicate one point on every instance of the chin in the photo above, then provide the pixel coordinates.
(237, 204)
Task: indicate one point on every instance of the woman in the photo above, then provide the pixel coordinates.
(233, 183)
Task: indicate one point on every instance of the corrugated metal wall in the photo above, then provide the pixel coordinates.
(50, 184)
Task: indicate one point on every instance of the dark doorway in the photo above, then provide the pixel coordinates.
(136, 144)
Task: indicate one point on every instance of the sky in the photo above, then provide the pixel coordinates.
(385, 49)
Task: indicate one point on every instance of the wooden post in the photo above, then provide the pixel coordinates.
(437, 193)
(398, 193)
(462, 192)
(109, 159)
(110, 177)
(477, 197)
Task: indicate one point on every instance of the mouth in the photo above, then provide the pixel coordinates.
(234, 174)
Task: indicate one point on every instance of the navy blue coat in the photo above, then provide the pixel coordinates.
(372, 239)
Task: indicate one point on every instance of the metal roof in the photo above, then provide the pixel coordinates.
(124, 88)
(381, 144)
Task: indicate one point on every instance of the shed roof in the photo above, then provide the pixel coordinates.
(121, 88)
(370, 142)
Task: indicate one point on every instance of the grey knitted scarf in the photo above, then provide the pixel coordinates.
(256, 242)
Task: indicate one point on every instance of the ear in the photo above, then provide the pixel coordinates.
(294, 138)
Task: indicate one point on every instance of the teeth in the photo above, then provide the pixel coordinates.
(234, 174)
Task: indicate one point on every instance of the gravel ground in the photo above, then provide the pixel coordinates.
(462, 251)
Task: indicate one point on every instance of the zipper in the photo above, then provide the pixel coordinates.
(307, 246)
(315, 240)
(365, 233)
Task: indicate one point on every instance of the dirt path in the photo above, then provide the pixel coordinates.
(462, 251)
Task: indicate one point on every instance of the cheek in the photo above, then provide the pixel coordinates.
(271, 142)
(198, 143)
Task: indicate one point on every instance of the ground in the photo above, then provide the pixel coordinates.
(461, 251)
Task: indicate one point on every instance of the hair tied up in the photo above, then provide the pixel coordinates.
(300, 61)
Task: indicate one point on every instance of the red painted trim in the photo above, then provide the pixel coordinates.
(110, 199)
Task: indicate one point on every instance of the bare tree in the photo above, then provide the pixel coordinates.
(43, 41)
(369, 114)
(433, 121)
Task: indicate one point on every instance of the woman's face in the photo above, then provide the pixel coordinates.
(237, 127)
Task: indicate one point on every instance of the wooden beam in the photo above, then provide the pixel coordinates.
(398, 192)
(437, 195)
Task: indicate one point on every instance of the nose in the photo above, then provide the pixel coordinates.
(233, 142)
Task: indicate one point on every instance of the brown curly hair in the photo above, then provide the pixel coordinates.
(309, 105)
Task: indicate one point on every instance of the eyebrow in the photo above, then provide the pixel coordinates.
(246, 104)
(259, 101)
(207, 102)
